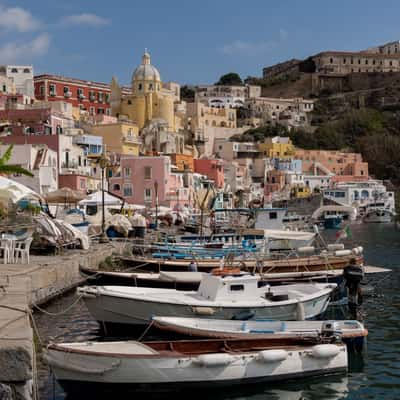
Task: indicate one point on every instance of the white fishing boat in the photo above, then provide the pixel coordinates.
(351, 332)
(220, 297)
(376, 212)
(171, 366)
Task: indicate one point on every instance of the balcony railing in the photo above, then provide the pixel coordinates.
(132, 139)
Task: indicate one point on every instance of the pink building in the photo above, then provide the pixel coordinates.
(275, 181)
(73, 181)
(339, 163)
(213, 169)
(138, 178)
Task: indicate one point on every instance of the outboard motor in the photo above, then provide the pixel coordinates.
(353, 275)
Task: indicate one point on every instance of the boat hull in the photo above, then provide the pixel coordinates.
(299, 264)
(118, 310)
(171, 371)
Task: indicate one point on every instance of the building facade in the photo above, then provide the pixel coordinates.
(226, 96)
(213, 169)
(21, 77)
(92, 97)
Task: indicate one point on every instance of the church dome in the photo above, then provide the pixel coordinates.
(145, 71)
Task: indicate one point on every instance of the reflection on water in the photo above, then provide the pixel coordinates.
(374, 375)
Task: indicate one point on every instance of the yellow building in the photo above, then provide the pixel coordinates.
(149, 99)
(277, 147)
(120, 137)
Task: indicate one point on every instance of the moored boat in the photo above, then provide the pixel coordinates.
(219, 297)
(97, 367)
(352, 332)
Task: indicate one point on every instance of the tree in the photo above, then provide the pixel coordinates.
(187, 93)
(232, 78)
(6, 169)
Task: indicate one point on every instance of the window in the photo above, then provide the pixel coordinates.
(100, 97)
(92, 110)
(140, 87)
(390, 63)
(331, 60)
(351, 61)
(236, 288)
(100, 110)
(147, 172)
(150, 86)
(273, 215)
(359, 61)
(83, 184)
(344, 61)
(127, 171)
(4, 88)
(130, 132)
(128, 192)
(14, 70)
(116, 187)
(66, 89)
(373, 62)
(340, 194)
(366, 62)
(52, 90)
(27, 70)
(41, 89)
(80, 161)
(108, 98)
(147, 194)
(108, 111)
(79, 92)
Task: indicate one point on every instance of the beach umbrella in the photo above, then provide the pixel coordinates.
(65, 195)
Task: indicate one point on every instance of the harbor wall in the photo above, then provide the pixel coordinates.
(21, 287)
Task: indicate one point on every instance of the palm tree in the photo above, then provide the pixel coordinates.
(6, 169)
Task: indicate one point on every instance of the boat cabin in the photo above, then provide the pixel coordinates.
(228, 287)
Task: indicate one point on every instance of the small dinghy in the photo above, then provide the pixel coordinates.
(352, 332)
(170, 366)
(221, 297)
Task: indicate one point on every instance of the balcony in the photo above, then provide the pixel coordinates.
(53, 94)
(92, 97)
(67, 95)
(131, 140)
(81, 96)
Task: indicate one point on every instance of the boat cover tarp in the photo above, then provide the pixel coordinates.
(15, 191)
(289, 235)
(96, 199)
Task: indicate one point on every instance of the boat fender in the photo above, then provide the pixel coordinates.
(335, 246)
(306, 249)
(300, 313)
(213, 360)
(342, 253)
(269, 356)
(325, 351)
(203, 310)
(357, 250)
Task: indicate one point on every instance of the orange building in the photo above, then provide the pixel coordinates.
(213, 169)
(339, 163)
(182, 161)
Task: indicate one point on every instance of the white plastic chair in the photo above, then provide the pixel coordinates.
(5, 247)
(21, 250)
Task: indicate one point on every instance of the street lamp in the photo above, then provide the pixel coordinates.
(156, 192)
(103, 163)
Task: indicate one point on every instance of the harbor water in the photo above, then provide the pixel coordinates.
(373, 375)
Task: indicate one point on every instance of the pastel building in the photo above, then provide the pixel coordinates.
(226, 96)
(21, 76)
(213, 169)
(277, 146)
(144, 180)
(40, 160)
(344, 165)
(149, 99)
(118, 136)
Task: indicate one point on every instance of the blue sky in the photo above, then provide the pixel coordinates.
(190, 41)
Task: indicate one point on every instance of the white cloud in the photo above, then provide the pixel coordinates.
(16, 18)
(12, 52)
(253, 48)
(84, 19)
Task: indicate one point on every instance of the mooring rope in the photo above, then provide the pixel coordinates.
(58, 313)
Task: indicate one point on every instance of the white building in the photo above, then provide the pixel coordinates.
(38, 159)
(22, 77)
(226, 96)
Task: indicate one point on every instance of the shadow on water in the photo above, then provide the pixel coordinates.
(373, 375)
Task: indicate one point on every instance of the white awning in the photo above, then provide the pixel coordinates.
(290, 235)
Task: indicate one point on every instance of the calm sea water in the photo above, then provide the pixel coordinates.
(373, 375)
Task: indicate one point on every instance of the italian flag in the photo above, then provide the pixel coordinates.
(344, 233)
